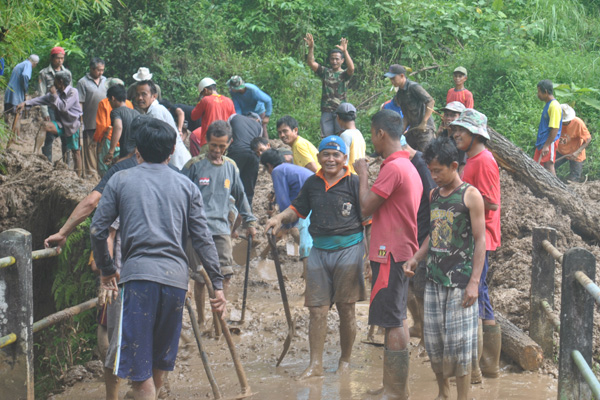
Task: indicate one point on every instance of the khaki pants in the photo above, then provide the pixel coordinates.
(90, 157)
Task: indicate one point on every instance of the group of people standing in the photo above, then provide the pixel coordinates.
(427, 224)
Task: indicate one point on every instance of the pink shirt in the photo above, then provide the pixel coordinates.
(394, 229)
(482, 172)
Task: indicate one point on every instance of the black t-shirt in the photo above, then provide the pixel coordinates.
(424, 213)
(121, 165)
(335, 211)
(187, 112)
(127, 140)
(244, 130)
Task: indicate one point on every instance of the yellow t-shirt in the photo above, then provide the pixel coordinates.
(554, 115)
(304, 152)
(355, 142)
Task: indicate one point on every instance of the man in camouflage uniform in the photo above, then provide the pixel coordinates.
(45, 82)
(334, 80)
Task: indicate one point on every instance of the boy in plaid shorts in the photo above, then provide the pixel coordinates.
(455, 251)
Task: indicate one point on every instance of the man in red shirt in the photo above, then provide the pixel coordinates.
(393, 200)
(458, 92)
(481, 171)
(212, 107)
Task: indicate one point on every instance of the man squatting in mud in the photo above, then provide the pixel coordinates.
(154, 277)
(335, 262)
(455, 250)
(393, 200)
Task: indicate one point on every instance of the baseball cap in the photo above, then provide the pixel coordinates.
(345, 108)
(57, 50)
(204, 83)
(236, 83)
(567, 112)
(395, 69)
(455, 106)
(462, 70)
(474, 121)
(333, 142)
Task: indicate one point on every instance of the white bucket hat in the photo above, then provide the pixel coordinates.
(204, 83)
(143, 74)
(568, 113)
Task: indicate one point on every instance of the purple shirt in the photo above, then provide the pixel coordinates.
(66, 104)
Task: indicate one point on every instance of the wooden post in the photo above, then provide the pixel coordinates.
(576, 324)
(543, 265)
(16, 316)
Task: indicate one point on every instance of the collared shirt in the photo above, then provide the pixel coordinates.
(253, 99)
(90, 94)
(46, 81)
(18, 83)
(217, 183)
(335, 208)
(181, 154)
(551, 119)
(394, 229)
(66, 106)
(413, 99)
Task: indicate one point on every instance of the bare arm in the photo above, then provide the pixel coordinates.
(369, 201)
(288, 216)
(474, 202)
(428, 112)
(349, 63)
(310, 59)
(79, 214)
(180, 119)
(114, 139)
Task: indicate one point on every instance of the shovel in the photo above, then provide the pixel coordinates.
(243, 318)
(203, 356)
(239, 369)
(286, 306)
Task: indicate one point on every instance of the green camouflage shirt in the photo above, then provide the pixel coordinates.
(451, 243)
(334, 88)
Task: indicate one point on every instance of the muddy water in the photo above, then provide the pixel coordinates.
(260, 343)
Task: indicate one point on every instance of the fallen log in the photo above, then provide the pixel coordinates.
(518, 346)
(584, 219)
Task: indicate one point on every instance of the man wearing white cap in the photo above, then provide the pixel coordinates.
(572, 143)
(143, 74)
(212, 107)
(17, 87)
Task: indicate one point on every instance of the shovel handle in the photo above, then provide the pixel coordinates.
(243, 318)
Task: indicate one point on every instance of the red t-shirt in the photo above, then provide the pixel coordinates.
(211, 108)
(463, 96)
(482, 172)
(394, 227)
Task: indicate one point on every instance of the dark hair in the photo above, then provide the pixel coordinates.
(118, 92)
(165, 103)
(258, 140)
(272, 157)
(218, 129)
(287, 120)
(154, 139)
(443, 150)
(546, 86)
(336, 51)
(150, 84)
(212, 88)
(347, 117)
(389, 121)
(95, 61)
(64, 77)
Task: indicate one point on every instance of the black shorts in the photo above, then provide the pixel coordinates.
(388, 300)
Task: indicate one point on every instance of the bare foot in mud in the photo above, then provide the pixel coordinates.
(343, 368)
(310, 372)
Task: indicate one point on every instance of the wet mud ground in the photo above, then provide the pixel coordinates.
(261, 341)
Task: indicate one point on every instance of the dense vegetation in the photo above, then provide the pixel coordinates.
(507, 47)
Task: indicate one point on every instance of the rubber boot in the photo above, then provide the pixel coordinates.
(476, 371)
(395, 374)
(492, 344)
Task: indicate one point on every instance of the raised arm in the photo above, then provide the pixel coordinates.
(343, 46)
(369, 201)
(310, 59)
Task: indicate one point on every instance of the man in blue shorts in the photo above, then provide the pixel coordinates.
(154, 279)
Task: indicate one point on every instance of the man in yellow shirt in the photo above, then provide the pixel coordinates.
(303, 151)
(549, 128)
(355, 142)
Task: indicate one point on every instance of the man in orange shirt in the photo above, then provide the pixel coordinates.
(212, 107)
(572, 143)
(103, 132)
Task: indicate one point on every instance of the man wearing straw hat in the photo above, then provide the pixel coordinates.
(572, 143)
(143, 74)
